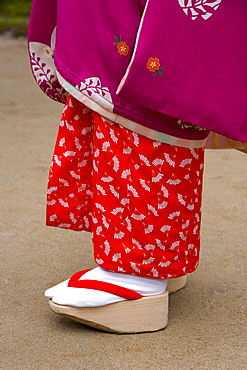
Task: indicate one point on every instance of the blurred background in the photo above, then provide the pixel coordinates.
(14, 15)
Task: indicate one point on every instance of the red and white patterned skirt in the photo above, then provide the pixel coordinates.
(140, 198)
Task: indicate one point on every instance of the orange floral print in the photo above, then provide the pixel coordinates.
(153, 65)
(49, 52)
(122, 46)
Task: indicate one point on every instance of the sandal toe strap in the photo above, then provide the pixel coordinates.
(103, 286)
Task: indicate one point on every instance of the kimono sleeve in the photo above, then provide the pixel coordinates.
(41, 47)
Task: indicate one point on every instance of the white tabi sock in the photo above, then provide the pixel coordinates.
(82, 297)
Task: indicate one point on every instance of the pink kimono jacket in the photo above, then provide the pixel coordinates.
(163, 68)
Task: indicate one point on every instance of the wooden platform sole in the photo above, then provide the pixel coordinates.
(133, 316)
(136, 316)
(174, 285)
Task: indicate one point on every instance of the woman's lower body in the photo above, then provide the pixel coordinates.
(140, 199)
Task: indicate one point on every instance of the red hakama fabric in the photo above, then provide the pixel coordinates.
(140, 198)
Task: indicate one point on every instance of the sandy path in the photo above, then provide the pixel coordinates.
(206, 320)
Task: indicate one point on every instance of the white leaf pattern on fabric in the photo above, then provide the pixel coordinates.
(68, 153)
(173, 180)
(65, 226)
(129, 224)
(193, 152)
(50, 190)
(159, 244)
(107, 247)
(158, 161)
(144, 159)
(72, 217)
(149, 247)
(57, 160)
(156, 144)
(99, 230)
(185, 162)
(132, 190)
(174, 245)
(127, 150)
(126, 174)
(75, 175)
(136, 138)
(100, 136)
(169, 160)
(105, 146)
(165, 264)
(62, 141)
(99, 206)
(138, 217)
(105, 223)
(134, 241)
(186, 224)
(119, 235)
(99, 261)
(82, 187)
(92, 87)
(53, 217)
(155, 272)
(134, 267)
(85, 130)
(69, 127)
(125, 201)
(203, 8)
(162, 205)
(116, 163)
(107, 179)
(165, 191)
(63, 203)
(191, 207)
(149, 229)
(182, 236)
(117, 210)
(44, 71)
(181, 200)
(116, 257)
(197, 217)
(51, 203)
(83, 163)
(157, 178)
(152, 209)
(113, 136)
(165, 228)
(144, 185)
(174, 214)
(114, 192)
(148, 261)
(99, 187)
(77, 143)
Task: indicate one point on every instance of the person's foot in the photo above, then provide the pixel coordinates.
(83, 297)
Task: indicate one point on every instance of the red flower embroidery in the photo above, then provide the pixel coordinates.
(122, 47)
(153, 65)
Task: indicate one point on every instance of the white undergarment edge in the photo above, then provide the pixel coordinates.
(105, 109)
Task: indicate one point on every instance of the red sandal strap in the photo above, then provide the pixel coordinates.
(103, 286)
(78, 275)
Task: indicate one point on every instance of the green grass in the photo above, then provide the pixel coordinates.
(15, 8)
(14, 16)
